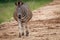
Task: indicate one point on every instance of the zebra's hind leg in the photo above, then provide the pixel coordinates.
(27, 32)
(26, 29)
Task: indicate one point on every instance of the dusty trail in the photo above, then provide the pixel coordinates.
(45, 25)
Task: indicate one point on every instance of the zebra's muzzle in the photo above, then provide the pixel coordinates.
(19, 16)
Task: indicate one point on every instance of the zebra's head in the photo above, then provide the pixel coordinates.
(18, 7)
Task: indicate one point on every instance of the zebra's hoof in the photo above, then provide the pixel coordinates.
(27, 33)
(19, 35)
(22, 34)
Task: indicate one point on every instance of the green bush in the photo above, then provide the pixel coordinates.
(6, 1)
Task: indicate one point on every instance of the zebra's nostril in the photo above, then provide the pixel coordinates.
(19, 16)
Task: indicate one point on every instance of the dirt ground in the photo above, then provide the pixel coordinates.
(44, 25)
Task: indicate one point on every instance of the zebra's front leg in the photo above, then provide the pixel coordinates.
(21, 28)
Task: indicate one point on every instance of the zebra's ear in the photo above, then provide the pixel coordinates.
(20, 3)
(15, 3)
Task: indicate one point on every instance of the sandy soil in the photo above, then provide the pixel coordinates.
(44, 25)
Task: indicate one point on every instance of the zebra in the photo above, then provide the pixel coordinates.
(22, 15)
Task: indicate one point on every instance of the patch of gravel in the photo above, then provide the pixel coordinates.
(44, 25)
